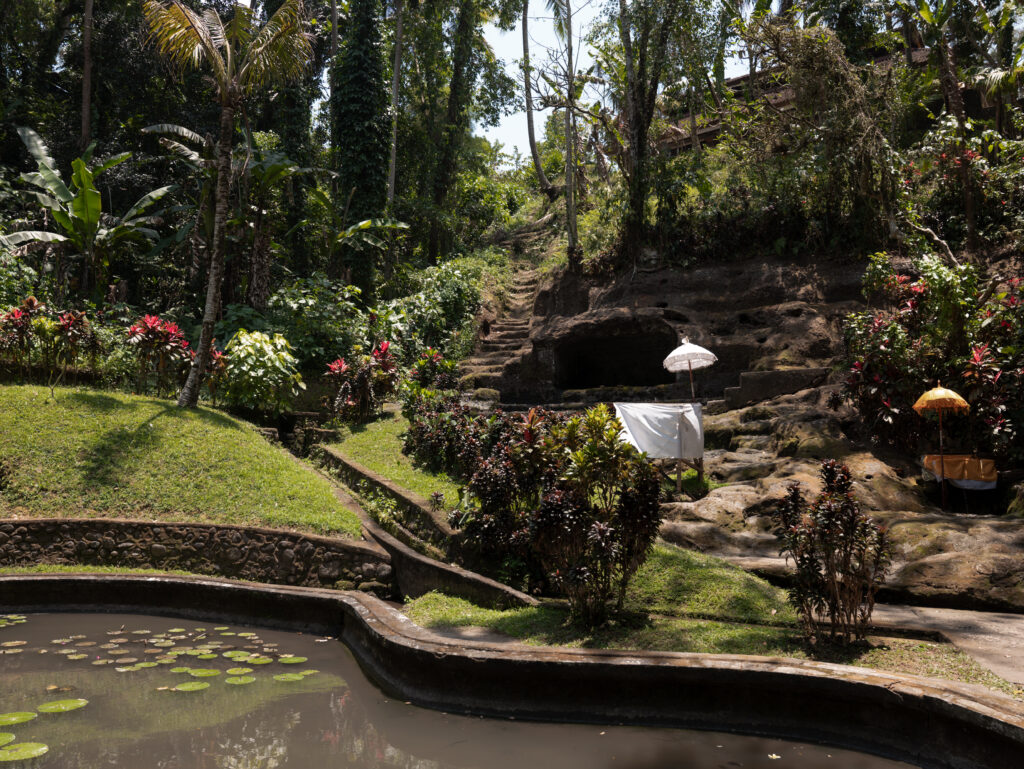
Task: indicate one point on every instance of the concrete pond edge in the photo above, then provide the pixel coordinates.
(932, 724)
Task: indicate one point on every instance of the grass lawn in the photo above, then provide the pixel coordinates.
(91, 453)
(685, 583)
(378, 446)
(549, 626)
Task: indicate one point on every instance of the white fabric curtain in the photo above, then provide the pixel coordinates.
(663, 430)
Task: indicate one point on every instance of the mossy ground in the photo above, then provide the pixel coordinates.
(82, 452)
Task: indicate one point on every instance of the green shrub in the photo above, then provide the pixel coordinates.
(319, 317)
(261, 373)
(596, 524)
(16, 279)
(447, 298)
(944, 325)
(840, 555)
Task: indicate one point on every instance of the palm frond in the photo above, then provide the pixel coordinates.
(279, 52)
(109, 163)
(145, 202)
(184, 38)
(558, 11)
(240, 30)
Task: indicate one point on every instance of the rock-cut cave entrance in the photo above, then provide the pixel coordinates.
(614, 357)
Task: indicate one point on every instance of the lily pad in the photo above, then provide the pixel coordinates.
(292, 660)
(191, 686)
(176, 630)
(308, 672)
(288, 677)
(180, 670)
(240, 680)
(77, 656)
(19, 717)
(206, 657)
(62, 706)
(239, 671)
(22, 751)
(258, 660)
(203, 673)
(5, 738)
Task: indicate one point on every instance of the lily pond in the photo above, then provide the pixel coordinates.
(112, 690)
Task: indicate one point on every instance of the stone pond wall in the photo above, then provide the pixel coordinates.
(249, 553)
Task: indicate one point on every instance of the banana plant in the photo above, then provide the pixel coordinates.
(78, 209)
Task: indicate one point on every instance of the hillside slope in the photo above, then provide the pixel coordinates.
(103, 454)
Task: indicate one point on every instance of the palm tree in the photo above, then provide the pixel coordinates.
(562, 12)
(244, 58)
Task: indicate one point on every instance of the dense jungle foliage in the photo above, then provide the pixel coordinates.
(312, 169)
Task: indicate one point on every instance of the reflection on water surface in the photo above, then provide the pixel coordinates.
(276, 700)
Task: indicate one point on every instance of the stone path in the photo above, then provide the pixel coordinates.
(994, 639)
(508, 337)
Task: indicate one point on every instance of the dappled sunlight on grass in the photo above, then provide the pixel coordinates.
(680, 582)
(86, 453)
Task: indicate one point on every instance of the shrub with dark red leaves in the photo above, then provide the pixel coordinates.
(358, 390)
(841, 556)
(163, 351)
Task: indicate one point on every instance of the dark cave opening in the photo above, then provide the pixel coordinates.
(626, 360)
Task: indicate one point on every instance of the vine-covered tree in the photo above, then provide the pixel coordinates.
(360, 113)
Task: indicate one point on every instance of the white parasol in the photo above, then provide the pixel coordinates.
(687, 357)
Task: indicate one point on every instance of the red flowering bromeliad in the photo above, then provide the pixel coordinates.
(358, 391)
(163, 351)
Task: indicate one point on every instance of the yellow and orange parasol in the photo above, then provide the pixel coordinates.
(941, 399)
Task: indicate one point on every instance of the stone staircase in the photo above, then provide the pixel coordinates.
(507, 338)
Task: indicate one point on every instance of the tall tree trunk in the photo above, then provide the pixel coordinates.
(644, 64)
(189, 396)
(334, 29)
(955, 104)
(87, 19)
(258, 290)
(694, 130)
(396, 84)
(542, 178)
(572, 245)
(459, 93)
(632, 226)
